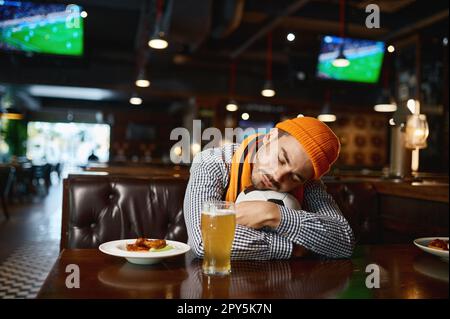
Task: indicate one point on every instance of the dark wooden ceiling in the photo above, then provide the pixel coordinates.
(204, 37)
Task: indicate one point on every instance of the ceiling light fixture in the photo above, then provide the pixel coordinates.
(290, 37)
(135, 99)
(142, 80)
(158, 39)
(70, 92)
(326, 115)
(341, 60)
(268, 89)
(385, 102)
(232, 105)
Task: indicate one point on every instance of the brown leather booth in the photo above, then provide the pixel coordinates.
(97, 209)
(359, 204)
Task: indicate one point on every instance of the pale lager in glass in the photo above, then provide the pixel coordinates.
(218, 224)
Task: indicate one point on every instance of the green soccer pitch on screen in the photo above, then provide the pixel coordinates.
(365, 59)
(41, 28)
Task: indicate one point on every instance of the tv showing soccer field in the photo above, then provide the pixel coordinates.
(41, 28)
(364, 59)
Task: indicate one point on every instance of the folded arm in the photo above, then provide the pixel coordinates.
(319, 227)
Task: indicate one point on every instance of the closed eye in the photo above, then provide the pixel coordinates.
(282, 162)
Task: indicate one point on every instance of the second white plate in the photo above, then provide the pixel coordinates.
(422, 243)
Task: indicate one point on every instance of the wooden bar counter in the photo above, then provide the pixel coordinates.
(405, 272)
(405, 209)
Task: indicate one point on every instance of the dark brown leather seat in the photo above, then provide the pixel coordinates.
(97, 209)
(358, 202)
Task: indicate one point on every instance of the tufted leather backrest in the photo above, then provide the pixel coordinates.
(358, 202)
(97, 209)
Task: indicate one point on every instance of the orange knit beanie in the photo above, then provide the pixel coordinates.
(318, 140)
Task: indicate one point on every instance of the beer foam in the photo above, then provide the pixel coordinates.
(220, 212)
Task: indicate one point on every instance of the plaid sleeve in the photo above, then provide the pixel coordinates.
(206, 183)
(321, 227)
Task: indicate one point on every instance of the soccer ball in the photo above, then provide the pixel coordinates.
(282, 199)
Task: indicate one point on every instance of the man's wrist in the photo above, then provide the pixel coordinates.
(299, 251)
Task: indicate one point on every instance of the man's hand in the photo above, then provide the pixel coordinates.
(299, 251)
(257, 214)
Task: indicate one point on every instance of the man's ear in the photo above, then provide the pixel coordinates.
(271, 136)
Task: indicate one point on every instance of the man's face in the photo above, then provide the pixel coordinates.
(281, 164)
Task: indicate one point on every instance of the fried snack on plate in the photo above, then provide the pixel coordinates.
(134, 247)
(439, 244)
(156, 243)
(143, 244)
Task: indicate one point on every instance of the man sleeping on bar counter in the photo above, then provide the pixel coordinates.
(291, 158)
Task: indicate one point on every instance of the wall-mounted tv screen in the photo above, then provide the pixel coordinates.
(365, 58)
(41, 28)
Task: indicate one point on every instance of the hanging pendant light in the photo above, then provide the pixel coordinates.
(232, 105)
(268, 89)
(341, 60)
(135, 99)
(142, 79)
(158, 39)
(326, 115)
(385, 102)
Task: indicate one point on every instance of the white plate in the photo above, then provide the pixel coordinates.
(118, 248)
(422, 243)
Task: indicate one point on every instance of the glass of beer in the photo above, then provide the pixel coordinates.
(218, 224)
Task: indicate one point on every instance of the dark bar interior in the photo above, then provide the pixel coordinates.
(119, 120)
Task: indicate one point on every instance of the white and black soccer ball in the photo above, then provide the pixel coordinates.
(282, 199)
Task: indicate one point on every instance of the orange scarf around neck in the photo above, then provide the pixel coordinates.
(242, 166)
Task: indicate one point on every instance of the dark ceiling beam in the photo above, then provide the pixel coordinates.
(271, 25)
(296, 95)
(157, 100)
(331, 27)
(219, 59)
(113, 4)
(441, 15)
(387, 6)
